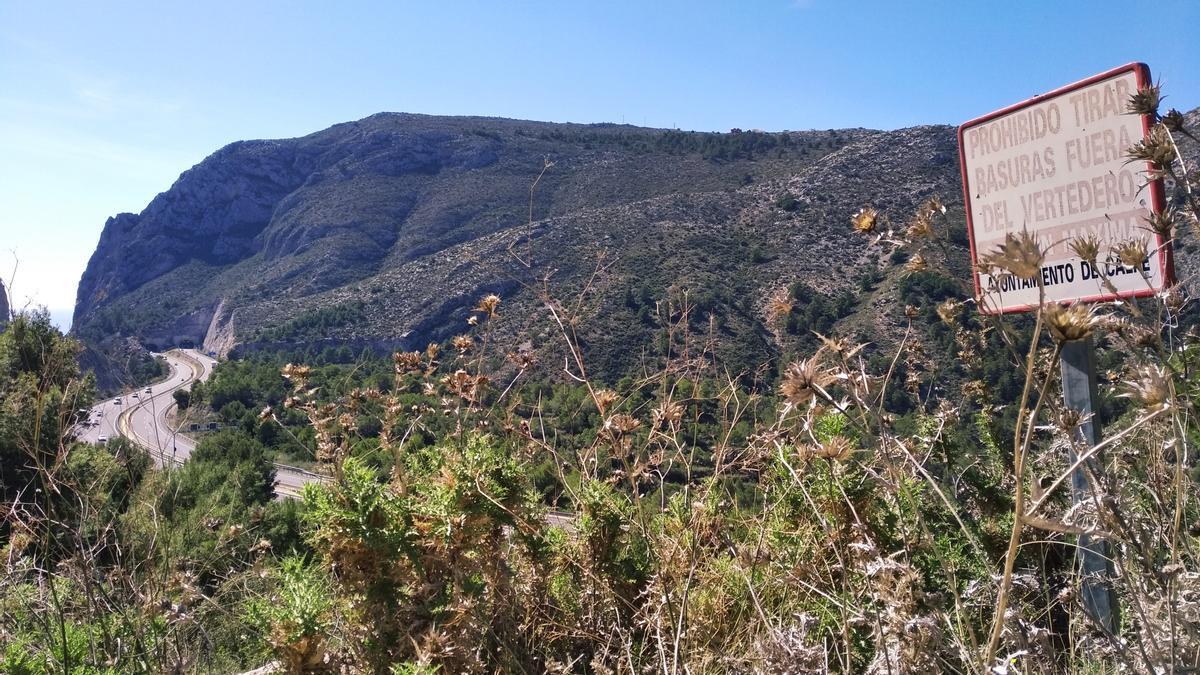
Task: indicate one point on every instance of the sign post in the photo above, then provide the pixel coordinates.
(1055, 167)
(1078, 366)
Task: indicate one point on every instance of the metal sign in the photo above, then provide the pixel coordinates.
(1056, 166)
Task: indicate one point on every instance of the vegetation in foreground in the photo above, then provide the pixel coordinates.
(860, 512)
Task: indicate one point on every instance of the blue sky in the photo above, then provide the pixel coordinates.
(102, 105)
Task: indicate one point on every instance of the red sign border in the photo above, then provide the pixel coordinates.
(1157, 197)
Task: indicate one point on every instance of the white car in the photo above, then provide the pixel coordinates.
(117, 400)
(102, 440)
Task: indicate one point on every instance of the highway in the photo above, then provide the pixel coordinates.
(141, 416)
(143, 420)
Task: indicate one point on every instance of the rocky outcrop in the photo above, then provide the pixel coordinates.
(5, 313)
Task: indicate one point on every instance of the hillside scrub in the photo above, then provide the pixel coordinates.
(855, 510)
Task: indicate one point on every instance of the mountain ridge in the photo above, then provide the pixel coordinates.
(383, 232)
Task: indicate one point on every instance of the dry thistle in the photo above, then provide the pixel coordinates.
(298, 374)
(604, 399)
(839, 448)
(1087, 247)
(406, 362)
(1151, 386)
(1162, 223)
(866, 220)
(488, 304)
(1145, 101)
(1157, 148)
(948, 412)
(780, 307)
(1132, 252)
(911, 311)
(622, 423)
(802, 380)
(667, 413)
(921, 226)
(1070, 324)
(462, 343)
(1173, 120)
(1020, 254)
(839, 345)
(1174, 298)
(522, 358)
(949, 310)
(932, 205)
(1068, 420)
(915, 264)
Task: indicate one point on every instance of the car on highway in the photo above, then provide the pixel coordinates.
(117, 400)
(102, 440)
(148, 390)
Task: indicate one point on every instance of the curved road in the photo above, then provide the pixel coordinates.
(143, 420)
(141, 417)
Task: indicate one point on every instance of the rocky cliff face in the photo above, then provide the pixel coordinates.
(4, 309)
(384, 232)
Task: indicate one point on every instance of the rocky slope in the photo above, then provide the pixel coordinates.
(380, 232)
(384, 232)
(4, 309)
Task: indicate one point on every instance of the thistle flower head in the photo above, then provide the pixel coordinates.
(1173, 120)
(488, 304)
(1020, 254)
(1068, 420)
(1145, 101)
(1132, 252)
(622, 423)
(780, 307)
(839, 345)
(1174, 298)
(1162, 223)
(916, 264)
(802, 380)
(1157, 148)
(1087, 247)
(1072, 323)
(838, 448)
(406, 362)
(1150, 385)
(522, 358)
(604, 399)
(866, 220)
(462, 343)
(949, 310)
(297, 374)
(667, 413)
(921, 226)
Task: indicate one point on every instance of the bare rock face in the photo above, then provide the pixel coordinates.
(4, 309)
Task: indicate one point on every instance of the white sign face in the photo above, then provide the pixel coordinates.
(1056, 166)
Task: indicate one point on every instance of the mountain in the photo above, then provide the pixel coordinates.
(383, 233)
